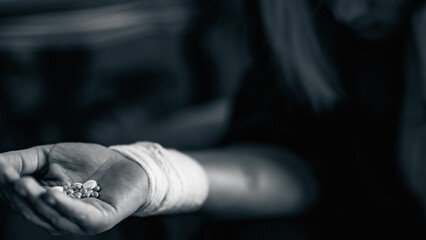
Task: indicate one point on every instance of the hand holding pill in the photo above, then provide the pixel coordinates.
(72, 188)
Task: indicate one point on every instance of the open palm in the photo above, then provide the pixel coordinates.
(123, 184)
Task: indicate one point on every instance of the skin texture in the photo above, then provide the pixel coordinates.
(253, 180)
(24, 172)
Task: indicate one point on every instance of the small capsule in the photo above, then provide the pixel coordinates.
(70, 191)
(84, 190)
(65, 187)
(85, 195)
(95, 194)
(78, 195)
(68, 184)
(90, 191)
(57, 188)
(90, 184)
(97, 188)
(77, 185)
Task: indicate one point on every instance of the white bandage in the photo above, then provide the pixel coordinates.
(177, 183)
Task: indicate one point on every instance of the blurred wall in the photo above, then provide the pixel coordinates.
(105, 70)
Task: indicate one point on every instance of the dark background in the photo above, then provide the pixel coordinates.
(104, 71)
(114, 72)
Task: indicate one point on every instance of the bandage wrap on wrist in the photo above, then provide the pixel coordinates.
(177, 183)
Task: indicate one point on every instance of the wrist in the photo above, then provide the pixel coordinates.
(140, 180)
(176, 182)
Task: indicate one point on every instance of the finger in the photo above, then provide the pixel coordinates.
(20, 204)
(44, 211)
(27, 161)
(7, 174)
(77, 211)
(82, 213)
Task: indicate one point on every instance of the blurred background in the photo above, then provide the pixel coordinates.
(112, 72)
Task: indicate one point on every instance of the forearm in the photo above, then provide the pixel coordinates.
(239, 181)
(254, 180)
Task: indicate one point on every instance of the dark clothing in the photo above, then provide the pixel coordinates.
(352, 149)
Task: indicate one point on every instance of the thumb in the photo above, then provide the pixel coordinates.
(27, 161)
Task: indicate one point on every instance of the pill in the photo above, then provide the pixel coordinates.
(78, 190)
(57, 188)
(90, 184)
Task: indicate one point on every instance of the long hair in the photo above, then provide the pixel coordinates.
(305, 68)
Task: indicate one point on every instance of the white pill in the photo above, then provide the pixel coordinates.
(90, 184)
(57, 188)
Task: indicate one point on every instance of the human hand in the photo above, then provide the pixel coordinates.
(123, 182)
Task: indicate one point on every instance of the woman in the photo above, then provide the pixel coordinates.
(332, 93)
(323, 95)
